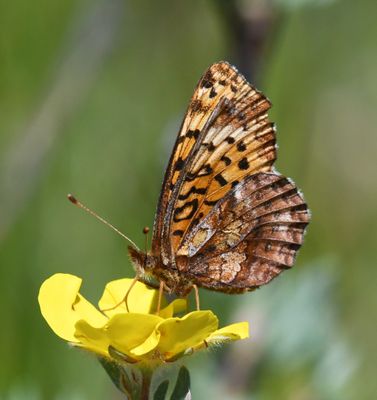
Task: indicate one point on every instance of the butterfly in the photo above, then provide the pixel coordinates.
(226, 219)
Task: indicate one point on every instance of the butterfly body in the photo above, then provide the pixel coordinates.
(226, 220)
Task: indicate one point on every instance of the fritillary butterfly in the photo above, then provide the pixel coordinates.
(226, 220)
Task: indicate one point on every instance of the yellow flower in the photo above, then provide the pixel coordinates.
(138, 335)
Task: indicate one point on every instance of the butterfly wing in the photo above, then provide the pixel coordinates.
(248, 238)
(225, 137)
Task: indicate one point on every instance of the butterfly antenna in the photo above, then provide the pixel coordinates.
(78, 203)
(146, 231)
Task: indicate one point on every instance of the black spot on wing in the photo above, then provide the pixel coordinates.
(193, 189)
(243, 164)
(226, 160)
(220, 179)
(210, 147)
(193, 134)
(179, 164)
(210, 202)
(241, 146)
(185, 212)
(212, 93)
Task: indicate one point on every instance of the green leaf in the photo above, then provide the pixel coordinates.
(112, 370)
(182, 387)
(127, 378)
(160, 393)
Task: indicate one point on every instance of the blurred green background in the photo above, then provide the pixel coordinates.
(91, 97)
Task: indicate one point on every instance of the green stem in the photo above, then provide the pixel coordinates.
(146, 384)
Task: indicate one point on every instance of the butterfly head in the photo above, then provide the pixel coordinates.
(142, 262)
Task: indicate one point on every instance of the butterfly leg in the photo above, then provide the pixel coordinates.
(197, 301)
(160, 292)
(125, 298)
(128, 292)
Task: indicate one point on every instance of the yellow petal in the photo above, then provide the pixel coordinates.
(176, 306)
(231, 332)
(141, 298)
(62, 305)
(129, 331)
(179, 334)
(91, 338)
(150, 343)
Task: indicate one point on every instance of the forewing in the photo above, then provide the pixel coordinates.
(225, 137)
(249, 237)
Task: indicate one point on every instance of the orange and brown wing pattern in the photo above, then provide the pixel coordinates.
(225, 136)
(248, 238)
